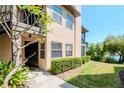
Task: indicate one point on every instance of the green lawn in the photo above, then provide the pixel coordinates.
(97, 74)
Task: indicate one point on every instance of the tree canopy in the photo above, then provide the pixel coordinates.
(115, 45)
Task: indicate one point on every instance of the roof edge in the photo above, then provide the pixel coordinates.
(73, 10)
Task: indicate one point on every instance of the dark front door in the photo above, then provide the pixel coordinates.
(32, 50)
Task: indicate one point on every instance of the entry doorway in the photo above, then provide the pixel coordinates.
(31, 50)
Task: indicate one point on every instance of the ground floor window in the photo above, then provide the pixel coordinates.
(56, 49)
(42, 50)
(82, 50)
(69, 49)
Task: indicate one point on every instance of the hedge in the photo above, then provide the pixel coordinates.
(85, 59)
(64, 64)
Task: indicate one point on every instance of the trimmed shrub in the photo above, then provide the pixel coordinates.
(85, 59)
(64, 64)
(110, 60)
(96, 58)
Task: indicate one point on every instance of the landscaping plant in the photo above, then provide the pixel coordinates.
(43, 19)
(64, 64)
(19, 78)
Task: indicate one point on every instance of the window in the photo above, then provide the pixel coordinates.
(57, 14)
(56, 49)
(82, 50)
(68, 49)
(69, 21)
(28, 17)
(42, 50)
(5, 9)
(83, 37)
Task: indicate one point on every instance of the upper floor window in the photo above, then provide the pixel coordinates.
(56, 49)
(57, 14)
(30, 18)
(69, 49)
(5, 10)
(69, 21)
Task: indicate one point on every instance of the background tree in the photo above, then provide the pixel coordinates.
(115, 45)
(42, 19)
(96, 51)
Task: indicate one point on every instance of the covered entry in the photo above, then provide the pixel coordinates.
(36, 49)
(31, 52)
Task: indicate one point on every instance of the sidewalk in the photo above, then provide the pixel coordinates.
(43, 79)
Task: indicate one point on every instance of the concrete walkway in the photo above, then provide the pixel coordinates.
(43, 79)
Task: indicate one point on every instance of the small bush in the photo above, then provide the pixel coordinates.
(19, 79)
(110, 60)
(63, 64)
(97, 58)
(85, 59)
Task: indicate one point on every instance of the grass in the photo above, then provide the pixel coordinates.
(97, 75)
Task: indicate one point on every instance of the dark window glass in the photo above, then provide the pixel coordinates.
(42, 50)
(56, 49)
(57, 18)
(69, 22)
(70, 18)
(42, 54)
(83, 37)
(56, 54)
(69, 25)
(57, 14)
(57, 9)
(82, 50)
(69, 49)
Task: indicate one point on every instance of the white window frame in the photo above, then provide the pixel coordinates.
(60, 15)
(56, 50)
(42, 50)
(69, 21)
(69, 50)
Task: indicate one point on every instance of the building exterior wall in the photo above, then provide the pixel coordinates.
(5, 47)
(77, 36)
(58, 33)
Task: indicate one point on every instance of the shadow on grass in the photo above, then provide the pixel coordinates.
(105, 80)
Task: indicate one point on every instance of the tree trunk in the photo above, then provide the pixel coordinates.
(123, 59)
(16, 58)
(12, 72)
(120, 59)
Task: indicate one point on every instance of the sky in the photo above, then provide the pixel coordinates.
(102, 21)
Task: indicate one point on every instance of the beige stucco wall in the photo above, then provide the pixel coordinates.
(60, 33)
(77, 36)
(5, 48)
